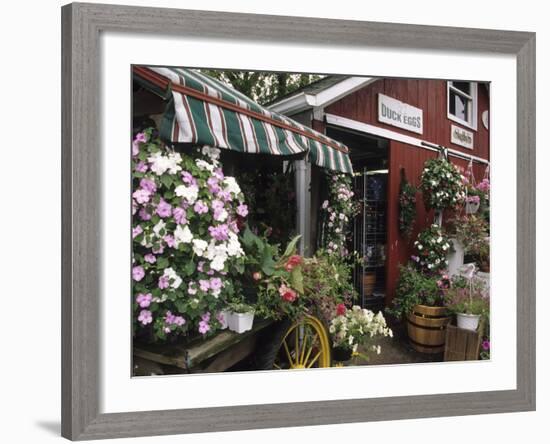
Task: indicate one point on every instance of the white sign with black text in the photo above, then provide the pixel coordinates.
(396, 113)
(462, 137)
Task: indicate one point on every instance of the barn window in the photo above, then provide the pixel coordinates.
(462, 103)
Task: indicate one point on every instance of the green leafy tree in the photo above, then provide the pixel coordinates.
(262, 87)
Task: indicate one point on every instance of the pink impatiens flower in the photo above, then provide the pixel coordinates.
(150, 258)
(141, 196)
(242, 210)
(138, 273)
(204, 285)
(144, 215)
(136, 231)
(141, 137)
(180, 216)
(144, 300)
(148, 184)
(145, 317)
(164, 282)
(200, 207)
(204, 327)
(164, 209)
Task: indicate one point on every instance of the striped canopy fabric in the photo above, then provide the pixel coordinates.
(204, 111)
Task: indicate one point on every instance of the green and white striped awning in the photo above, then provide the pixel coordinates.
(204, 111)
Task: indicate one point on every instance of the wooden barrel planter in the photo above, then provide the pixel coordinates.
(426, 327)
(369, 279)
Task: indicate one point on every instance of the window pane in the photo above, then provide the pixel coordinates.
(459, 106)
(462, 86)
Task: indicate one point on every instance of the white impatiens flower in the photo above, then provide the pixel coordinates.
(231, 185)
(189, 193)
(221, 215)
(160, 164)
(199, 246)
(182, 235)
(234, 246)
(174, 278)
(204, 165)
(212, 153)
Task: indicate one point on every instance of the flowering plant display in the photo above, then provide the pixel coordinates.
(472, 231)
(407, 207)
(416, 287)
(442, 184)
(485, 352)
(339, 210)
(468, 296)
(328, 283)
(432, 246)
(277, 277)
(185, 237)
(357, 327)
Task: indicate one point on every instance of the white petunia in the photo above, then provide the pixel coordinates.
(211, 152)
(174, 278)
(231, 185)
(204, 165)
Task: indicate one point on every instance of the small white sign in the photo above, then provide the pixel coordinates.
(396, 113)
(462, 137)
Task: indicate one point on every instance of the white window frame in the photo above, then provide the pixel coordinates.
(473, 98)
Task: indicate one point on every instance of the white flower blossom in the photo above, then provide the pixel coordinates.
(189, 193)
(199, 246)
(174, 278)
(231, 185)
(182, 235)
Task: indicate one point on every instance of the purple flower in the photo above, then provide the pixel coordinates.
(216, 284)
(188, 178)
(219, 232)
(200, 207)
(141, 137)
(200, 266)
(138, 273)
(206, 316)
(164, 209)
(415, 258)
(164, 282)
(217, 205)
(148, 184)
(135, 148)
(145, 317)
(141, 196)
(172, 319)
(486, 345)
(225, 196)
(144, 300)
(213, 185)
(204, 285)
(170, 241)
(141, 167)
(242, 210)
(151, 258)
(203, 327)
(136, 231)
(179, 216)
(143, 214)
(218, 173)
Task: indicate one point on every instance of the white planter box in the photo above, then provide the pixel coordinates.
(455, 257)
(467, 321)
(240, 322)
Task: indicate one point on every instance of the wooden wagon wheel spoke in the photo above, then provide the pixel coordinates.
(314, 359)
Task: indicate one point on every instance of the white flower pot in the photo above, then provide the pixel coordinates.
(455, 257)
(467, 321)
(240, 322)
(472, 207)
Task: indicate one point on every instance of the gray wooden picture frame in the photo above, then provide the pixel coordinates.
(81, 232)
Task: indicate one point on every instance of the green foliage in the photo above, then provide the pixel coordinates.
(262, 87)
(469, 296)
(413, 288)
(472, 231)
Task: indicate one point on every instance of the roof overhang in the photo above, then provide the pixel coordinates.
(303, 101)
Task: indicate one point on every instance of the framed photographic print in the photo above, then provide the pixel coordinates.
(283, 221)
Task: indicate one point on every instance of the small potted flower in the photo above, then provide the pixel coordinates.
(354, 328)
(240, 317)
(468, 298)
(473, 200)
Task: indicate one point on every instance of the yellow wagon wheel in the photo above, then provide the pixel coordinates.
(304, 345)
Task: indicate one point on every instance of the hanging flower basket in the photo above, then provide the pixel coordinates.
(442, 184)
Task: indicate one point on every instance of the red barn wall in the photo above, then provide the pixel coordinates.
(431, 97)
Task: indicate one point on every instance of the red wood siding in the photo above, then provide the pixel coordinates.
(431, 97)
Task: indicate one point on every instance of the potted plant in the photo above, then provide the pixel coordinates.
(354, 328)
(240, 317)
(420, 302)
(442, 184)
(472, 232)
(468, 299)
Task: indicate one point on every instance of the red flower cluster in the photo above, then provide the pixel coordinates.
(341, 309)
(292, 262)
(287, 293)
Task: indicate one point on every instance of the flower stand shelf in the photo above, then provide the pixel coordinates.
(462, 345)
